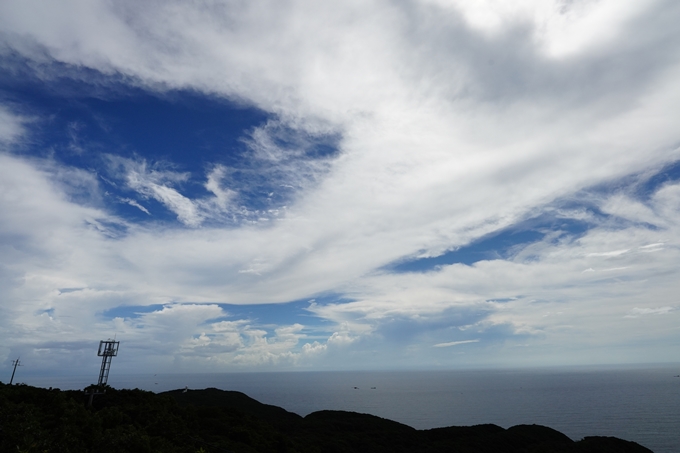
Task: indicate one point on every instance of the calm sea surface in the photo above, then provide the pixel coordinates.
(642, 405)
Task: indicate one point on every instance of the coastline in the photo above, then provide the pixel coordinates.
(218, 420)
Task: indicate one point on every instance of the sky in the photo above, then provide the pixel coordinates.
(299, 185)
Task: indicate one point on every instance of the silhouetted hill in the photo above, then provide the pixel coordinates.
(211, 420)
(233, 400)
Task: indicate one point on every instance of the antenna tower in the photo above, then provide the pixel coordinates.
(108, 349)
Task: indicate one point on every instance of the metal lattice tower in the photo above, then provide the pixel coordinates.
(108, 349)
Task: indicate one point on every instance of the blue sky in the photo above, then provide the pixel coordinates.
(383, 185)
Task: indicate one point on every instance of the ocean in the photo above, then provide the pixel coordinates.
(638, 404)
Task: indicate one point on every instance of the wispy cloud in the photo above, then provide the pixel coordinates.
(136, 204)
(635, 312)
(11, 127)
(156, 183)
(454, 343)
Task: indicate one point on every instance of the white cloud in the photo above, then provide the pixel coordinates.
(223, 196)
(156, 183)
(452, 122)
(612, 253)
(542, 292)
(635, 312)
(11, 126)
(185, 336)
(454, 343)
(560, 28)
(136, 204)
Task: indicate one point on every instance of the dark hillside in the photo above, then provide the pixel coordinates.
(212, 397)
(211, 420)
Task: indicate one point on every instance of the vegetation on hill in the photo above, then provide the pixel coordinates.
(211, 420)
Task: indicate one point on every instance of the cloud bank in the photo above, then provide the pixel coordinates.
(449, 123)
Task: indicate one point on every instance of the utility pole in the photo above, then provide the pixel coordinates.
(16, 363)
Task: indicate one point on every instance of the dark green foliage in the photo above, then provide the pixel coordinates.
(212, 421)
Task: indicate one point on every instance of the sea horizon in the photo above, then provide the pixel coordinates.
(636, 402)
